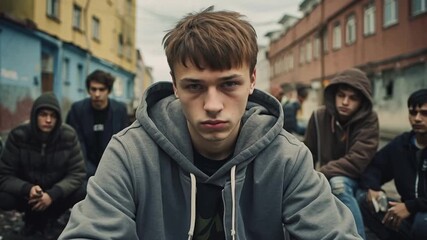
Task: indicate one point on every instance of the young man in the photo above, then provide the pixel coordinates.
(290, 110)
(208, 157)
(343, 136)
(42, 169)
(97, 118)
(403, 160)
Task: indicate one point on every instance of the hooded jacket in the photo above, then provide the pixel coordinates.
(344, 150)
(54, 161)
(145, 185)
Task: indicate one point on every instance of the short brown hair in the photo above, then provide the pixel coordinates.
(216, 40)
(102, 77)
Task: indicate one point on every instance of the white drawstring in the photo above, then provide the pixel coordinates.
(193, 207)
(233, 202)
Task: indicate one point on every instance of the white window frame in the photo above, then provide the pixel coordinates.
(77, 17)
(369, 19)
(96, 25)
(391, 14)
(301, 54)
(350, 30)
(52, 8)
(316, 47)
(422, 7)
(308, 51)
(337, 37)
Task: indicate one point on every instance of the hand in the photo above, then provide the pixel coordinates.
(40, 204)
(395, 215)
(370, 195)
(35, 192)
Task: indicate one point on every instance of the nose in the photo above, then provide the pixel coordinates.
(213, 102)
(48, 118)
(345, 101)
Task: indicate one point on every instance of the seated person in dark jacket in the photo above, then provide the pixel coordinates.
(404, 159)
(42, 168)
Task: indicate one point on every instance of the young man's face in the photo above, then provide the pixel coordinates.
(99, 95)
(418, 118)
(46, 120)
(347, 102)
(213, 102)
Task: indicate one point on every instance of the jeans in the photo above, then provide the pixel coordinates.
(344, 188)
(414, 227)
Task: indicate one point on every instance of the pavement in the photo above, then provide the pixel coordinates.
(11, 225)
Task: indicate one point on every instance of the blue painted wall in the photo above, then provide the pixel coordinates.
(20, 79)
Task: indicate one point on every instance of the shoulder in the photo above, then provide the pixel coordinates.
(67, 133)
(115, 104)
(21, 133)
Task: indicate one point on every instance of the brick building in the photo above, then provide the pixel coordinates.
(385, 38)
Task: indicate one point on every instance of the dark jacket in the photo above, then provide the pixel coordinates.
(290, 111)
(81, 118)
(344, 150)
(54, 161)
(398, 161)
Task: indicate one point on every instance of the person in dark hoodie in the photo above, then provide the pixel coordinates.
(207, 157)
(41, 169)
(403, 160)
(97, 118)
(343, 136)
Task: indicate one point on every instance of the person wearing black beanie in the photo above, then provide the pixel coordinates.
(42, 171)
(403, 160)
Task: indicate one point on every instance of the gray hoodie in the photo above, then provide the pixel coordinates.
(145, 185)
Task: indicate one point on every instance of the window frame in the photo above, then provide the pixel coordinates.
(77, 17)
(351, 29)
(52, 8)
(96, 28)
(422, 10)
(337, 40)
(369, 17)
(394, 15)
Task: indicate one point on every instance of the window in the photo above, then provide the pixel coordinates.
(369, 19)
(308, 52)
(52, 8)
(418, 7)
(390, 12)
(336, 41)
(120, 45)
(316, 48)
(350, 30)
(325, 41)
(301, 54)
(95, 28)
(77, 16)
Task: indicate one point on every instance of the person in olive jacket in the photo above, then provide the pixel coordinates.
(42, 169)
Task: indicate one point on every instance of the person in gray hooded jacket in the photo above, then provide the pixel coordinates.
(207, 157)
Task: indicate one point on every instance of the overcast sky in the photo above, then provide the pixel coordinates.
(155, 17)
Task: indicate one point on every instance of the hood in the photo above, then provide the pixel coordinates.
(46, 100)
(356, 79)
(161, 116)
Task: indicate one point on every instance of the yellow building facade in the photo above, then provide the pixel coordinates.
(104, 28)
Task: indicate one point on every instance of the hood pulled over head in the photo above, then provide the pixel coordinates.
(357, 80)
(46, 100)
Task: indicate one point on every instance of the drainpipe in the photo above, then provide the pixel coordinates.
(323, 28)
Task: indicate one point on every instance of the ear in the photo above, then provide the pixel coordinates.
(253, 81)
(174, 85)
